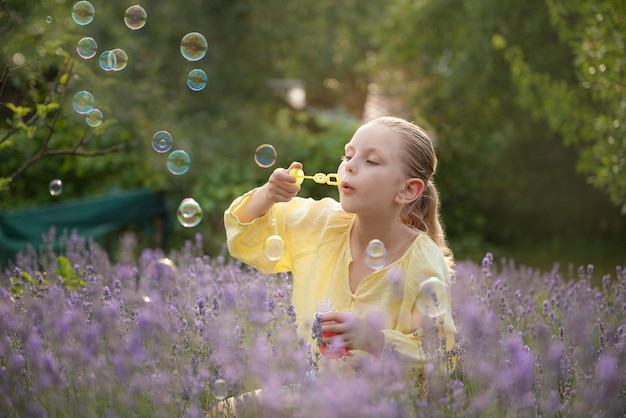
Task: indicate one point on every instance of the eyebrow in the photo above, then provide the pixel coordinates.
(366, 150)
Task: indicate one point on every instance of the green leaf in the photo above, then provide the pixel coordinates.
(18, 282)
(12, 107)
(64, 269)
(41, 110)
(4, 183)
(30, 131)
(20, 111)
(44, 109)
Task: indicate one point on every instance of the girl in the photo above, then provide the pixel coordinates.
(386, 193)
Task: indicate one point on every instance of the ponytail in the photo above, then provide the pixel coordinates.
(423, 214)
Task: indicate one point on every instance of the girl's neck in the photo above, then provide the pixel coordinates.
(395, 235)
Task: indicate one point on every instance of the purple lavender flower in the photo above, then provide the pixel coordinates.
(317, 329)
(200, 306)
(526, 341)
(106, 293)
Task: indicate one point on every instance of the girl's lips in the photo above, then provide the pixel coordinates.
(346, 188)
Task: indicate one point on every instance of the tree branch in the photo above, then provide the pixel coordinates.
(43, 149)
(95, 153)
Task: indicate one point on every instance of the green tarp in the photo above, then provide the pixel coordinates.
(93, 217)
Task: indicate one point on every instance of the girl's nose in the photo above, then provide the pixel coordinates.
(350, 168)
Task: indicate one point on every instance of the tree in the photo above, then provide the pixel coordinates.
(35, 127)
(505, 177)
(42, 137)
(249, 44)
(589, 111)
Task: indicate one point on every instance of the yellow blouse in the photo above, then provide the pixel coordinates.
(318, 254)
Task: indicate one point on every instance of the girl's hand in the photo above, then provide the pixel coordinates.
(356, 333)
(281, 187)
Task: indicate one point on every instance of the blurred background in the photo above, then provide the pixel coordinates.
(525, 101)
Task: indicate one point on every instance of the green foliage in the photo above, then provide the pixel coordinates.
(588, 111)
(499, 90)
(501, 85)
(69, 278)
(42, 137)
(18, 281)
(4, 183)
(218, 125)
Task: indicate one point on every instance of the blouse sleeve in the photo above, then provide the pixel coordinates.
(425, 345)
(246, 241)
(417, 337)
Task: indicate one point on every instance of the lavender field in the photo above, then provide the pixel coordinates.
(172, 335)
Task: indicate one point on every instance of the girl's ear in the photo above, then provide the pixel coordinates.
(412, 190)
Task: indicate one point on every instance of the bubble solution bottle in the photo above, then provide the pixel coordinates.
(324, 305)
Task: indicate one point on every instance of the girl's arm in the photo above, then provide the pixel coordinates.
(281, 187)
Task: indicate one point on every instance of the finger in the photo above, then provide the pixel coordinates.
(278, 175)
(287, 191)
(282, 176)
(332, 316)
(281, 182)
(336, 341)
(347, 344)
(295, 164)
(334, 328)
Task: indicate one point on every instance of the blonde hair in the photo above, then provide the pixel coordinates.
(420, 161)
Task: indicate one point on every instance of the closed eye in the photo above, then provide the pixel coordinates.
(345, 158)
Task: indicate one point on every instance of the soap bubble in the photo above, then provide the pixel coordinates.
(265, 155)
(105, 61)
(135, 17)
(189, 213)
(193, 46)
(162, 270)
(178, 162)
(274, 248)
(432, 299)
(196, 79)
(55, 187)
(94, 118)
(376, 254)
(118, 59)
(18, 58)
(162, 141)
(157, 278)
(83, 102)
(87, 47)
(83, 13)
(220, 389)
(48, 19)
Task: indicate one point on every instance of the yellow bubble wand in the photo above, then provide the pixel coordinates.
(331, 179)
